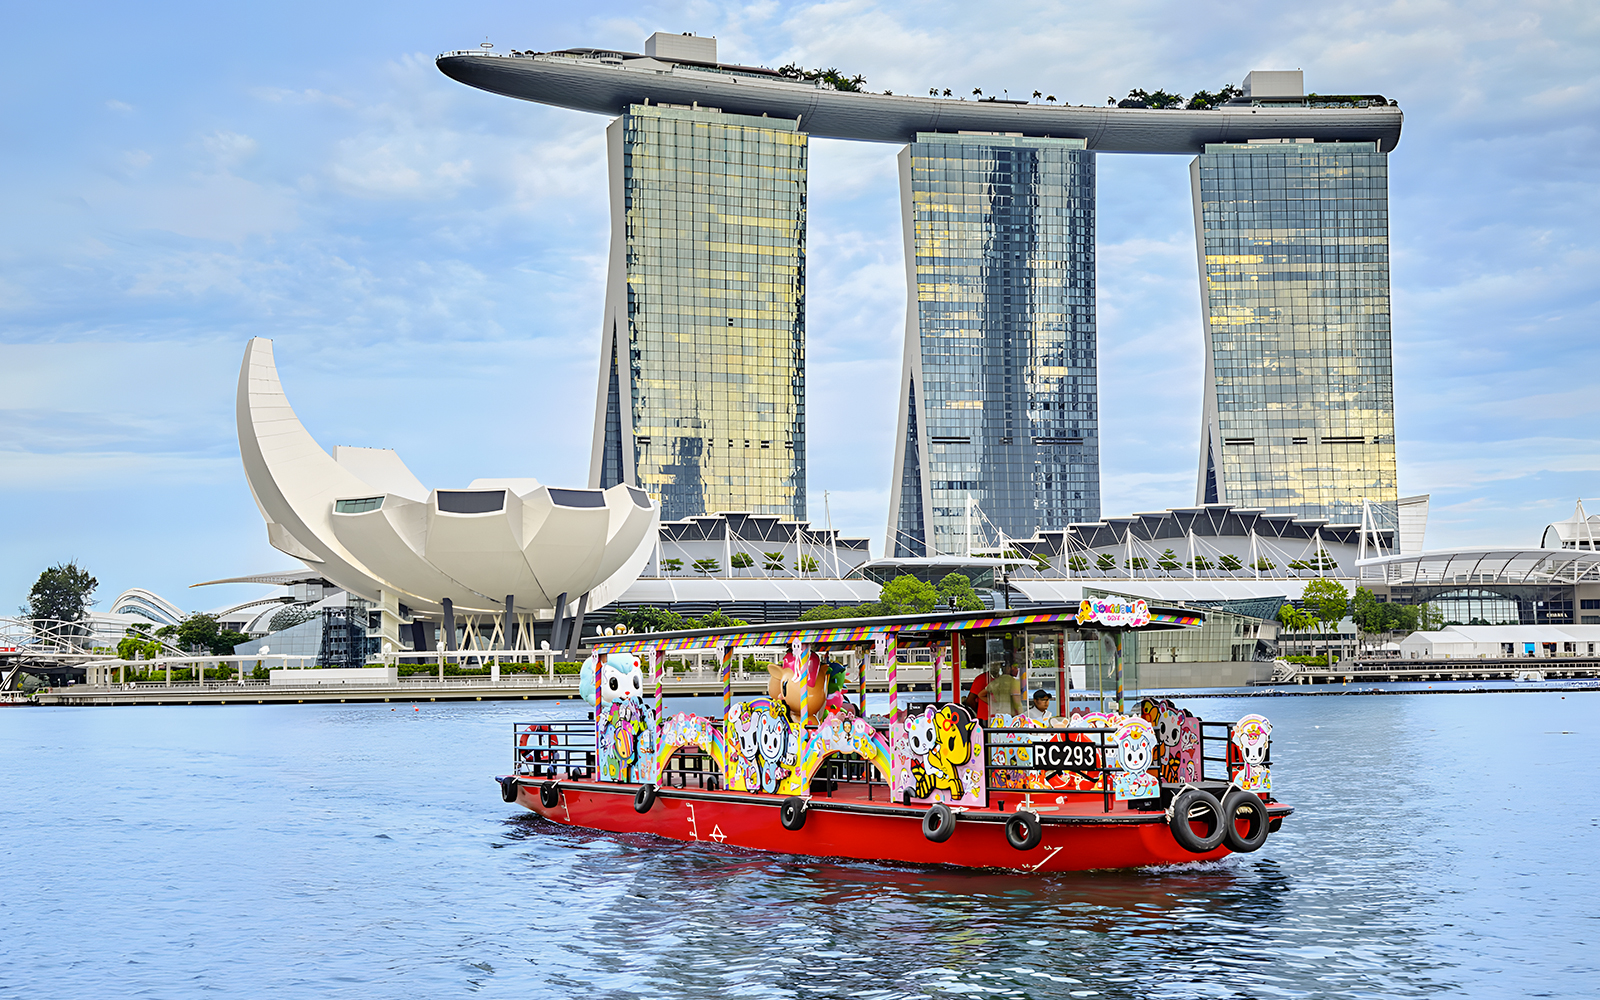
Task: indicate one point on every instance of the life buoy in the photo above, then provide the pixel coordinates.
(938, 823)
(1196, 821)
(1024, 831)
(549, 795)
(792, 814)
(1240, 807)
(508, 788)
(644, 798)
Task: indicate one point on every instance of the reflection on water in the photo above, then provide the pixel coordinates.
(1441, 845)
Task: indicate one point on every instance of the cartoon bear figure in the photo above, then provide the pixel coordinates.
(1136, 743)
(1252, 735)
(939, 743)
(799, 685)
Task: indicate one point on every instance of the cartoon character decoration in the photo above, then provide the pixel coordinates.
(766, 746)
(1251, 745)
(838, 734)
(689, 730)
(1177, 756)
(1136, 742)
(799, 684)
(938, 755)
(624, 726)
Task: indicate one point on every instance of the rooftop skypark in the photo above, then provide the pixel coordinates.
(830, 103)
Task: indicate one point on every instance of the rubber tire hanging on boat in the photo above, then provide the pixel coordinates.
(508, 789)
(938, 823)
(644, 798)
(550, 794)
(1240, 804)
(1189, 803)
(792, 814)
(1024, 831)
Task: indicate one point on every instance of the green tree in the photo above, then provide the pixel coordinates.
(1153, 99)
(1168, 560)
(1137, 562)
(1429, 618)
(1080, 564)
(772, 560)
(829, 75)
(1328, 602)
(226, 639)
(707, 566)
(716, 619)
(672, 565)
(1264, 564)
(1204, 100)
(63, 592)
(827, 612)
(1200, 563)
(1230, 562)
(741, 560)
(906, 595)
(1369, 615)
(652, 620)
(806, 564)
(1106, 563)
(957, 587)
(197, 632)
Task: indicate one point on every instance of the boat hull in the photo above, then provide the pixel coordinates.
(875, 832)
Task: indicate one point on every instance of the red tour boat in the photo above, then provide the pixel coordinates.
(936, 780)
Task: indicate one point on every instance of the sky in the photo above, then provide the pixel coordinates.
(429, 259)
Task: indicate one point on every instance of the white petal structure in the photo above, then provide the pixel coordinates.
(361, 519)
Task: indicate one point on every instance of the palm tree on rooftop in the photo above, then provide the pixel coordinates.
(977, 91)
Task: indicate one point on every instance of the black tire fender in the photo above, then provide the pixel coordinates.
(792, 814)
(549, 795)
(1194, 808)
(508, 788)
(644, 798)
(1240, 806)
(1024, 831)
(938, 823)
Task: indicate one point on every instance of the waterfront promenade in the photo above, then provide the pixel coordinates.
(105, 685)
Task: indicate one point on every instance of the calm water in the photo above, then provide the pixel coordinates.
(1443, 845)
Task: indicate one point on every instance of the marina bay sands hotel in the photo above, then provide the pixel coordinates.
(702, 382)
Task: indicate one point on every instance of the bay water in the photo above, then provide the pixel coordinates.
(1443, 845)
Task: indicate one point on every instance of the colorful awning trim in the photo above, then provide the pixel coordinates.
(1000, 621)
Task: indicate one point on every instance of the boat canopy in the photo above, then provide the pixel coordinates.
(1100, 614)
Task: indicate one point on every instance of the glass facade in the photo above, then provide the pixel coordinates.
(998, 399)
(1294, 248)
(702, 394)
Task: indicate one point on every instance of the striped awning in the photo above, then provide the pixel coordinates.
(773, 637)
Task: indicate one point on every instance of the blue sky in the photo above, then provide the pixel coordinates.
(429, 259)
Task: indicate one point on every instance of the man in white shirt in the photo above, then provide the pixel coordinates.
(1039, 710)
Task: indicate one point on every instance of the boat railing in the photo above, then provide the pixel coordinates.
(545, 749)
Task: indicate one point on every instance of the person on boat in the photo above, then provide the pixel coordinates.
(1039, 710)
(1004, 689)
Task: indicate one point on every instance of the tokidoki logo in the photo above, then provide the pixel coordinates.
(1118, 612)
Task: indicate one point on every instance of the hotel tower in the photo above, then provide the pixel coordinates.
(702, 379)
(998, 415)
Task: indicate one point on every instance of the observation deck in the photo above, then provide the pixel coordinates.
(607, 82)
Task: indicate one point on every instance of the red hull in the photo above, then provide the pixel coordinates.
(1076, 838)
